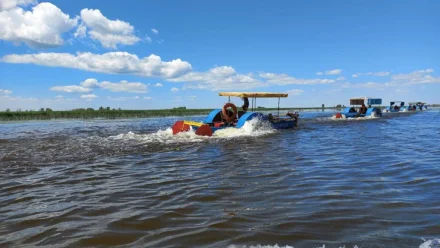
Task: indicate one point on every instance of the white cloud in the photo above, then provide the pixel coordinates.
(333, 72)
(122, 98)
(159, 85)
(109, 33)
(191, 98)
(9, 4)
(174, 90)
(295, 92)
(148, 39)
(42, 27)
(91, 83)
(124, 86)
(71, 89)
(284, 79)
(378, 74)
(219, 78)
(5, 92)
(112, 62)
(155, 31)
(416, 77)
(89, 96)
(319, 73)
(60, 97)
(340, 78)
(147, 98)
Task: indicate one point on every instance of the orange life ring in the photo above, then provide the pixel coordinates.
(338, 115)
(225, 112)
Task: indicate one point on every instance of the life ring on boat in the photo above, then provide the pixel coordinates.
(228, 117)
(338, 115)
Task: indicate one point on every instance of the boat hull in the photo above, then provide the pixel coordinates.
(213, 123)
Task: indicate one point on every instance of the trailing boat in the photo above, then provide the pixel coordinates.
(397, 106)
(362, 111)
(413, 106)
(230, 117)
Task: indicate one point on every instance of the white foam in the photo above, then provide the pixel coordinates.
(252, 128)
(434, 243)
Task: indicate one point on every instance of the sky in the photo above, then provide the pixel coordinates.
(162, 54)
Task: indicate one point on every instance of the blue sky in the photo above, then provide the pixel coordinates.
(157, 54)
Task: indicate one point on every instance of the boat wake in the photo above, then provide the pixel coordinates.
(434, 243)
(253, 128)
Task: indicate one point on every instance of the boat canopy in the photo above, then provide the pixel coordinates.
(253, 94)
(373, 101)
(395, 102)
(361, 100)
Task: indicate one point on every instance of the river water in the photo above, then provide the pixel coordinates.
(131, 183)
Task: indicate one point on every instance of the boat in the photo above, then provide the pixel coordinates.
(363, 111)
(413, 106)
(230, 117)
(396, 106)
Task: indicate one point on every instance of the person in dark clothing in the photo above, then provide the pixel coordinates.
(363, 109)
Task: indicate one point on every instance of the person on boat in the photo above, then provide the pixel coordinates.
(244, 107)
(396, 107)
(352, 110)
(363, 109)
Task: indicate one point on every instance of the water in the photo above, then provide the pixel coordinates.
(330, 183)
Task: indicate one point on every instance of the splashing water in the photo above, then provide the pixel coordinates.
(252, 128)
(434, 243)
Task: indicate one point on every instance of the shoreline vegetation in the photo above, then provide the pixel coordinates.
(108, 113)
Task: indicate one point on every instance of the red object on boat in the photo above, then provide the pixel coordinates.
(338, 115)
(180, 126)
(204, 130)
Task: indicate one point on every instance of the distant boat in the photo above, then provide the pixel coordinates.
(397, 106)
(362, 110)
(229, 117)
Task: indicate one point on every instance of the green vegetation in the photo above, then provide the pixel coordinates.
(108, 113)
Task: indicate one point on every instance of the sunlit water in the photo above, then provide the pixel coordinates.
(330, 183)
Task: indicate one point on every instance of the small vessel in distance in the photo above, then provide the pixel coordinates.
(362, 111)
(396, 106)
(413, 106)
(229, 117)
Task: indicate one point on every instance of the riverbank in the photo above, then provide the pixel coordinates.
(117, 114)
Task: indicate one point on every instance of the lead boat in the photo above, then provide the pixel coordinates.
(230, 117)
(352, 112)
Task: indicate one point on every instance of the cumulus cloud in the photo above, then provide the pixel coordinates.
(284, 79)
(174, 90)
(123, 98)
(91, 83)
(416, 77)
(219, 78)
(112, 62)
(295, 92)
(340, 78)
(158, 85)
(89, 96)
(333, 72)
(124, 86)
(71, 89)
(109, 33)
(378, 74)
(9, 4)
(40, 28)
(5, 92)
(155, 31)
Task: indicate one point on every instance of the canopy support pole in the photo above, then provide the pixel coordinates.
(278, 107)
